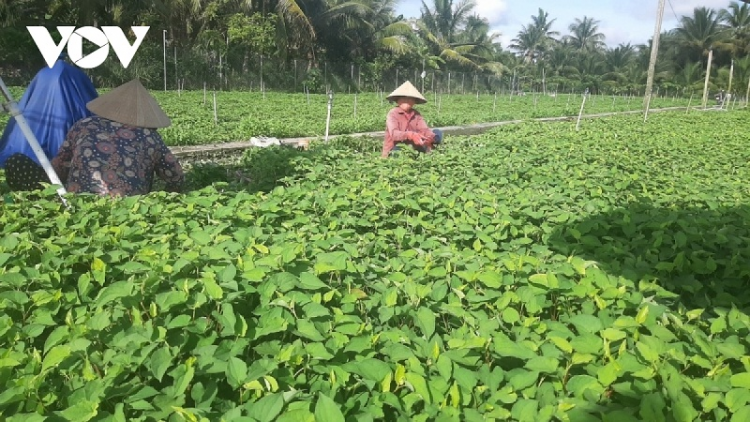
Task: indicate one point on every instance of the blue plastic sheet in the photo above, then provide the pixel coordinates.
(53, 102)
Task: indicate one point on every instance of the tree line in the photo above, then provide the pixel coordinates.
(317, 45)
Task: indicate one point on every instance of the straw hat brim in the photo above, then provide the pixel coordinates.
(130, 104)
(407, 90)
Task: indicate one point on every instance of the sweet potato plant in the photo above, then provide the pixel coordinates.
(530, 274)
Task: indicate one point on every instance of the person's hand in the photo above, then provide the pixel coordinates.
(416, 138)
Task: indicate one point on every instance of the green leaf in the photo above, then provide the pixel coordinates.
(510, 315)
(683, 411)
(331, 261)
(741, 380)
(521, 378)
(525, 410)
(420, 386)
(736, 398)
(506, 348)
(309, 281)
(543, 364)
(56, 337)
(444, 367)
(742, 415)
(491, 279)
(426, 321)
(28, 417)
(113, 292)
(213, 290)
(608, 373)
(55, 356)
(267, 408)
(652, 408)
(80, 412)
(620, 416)
(561, 344)
(160, 362)
(318, 351)
(719, 325)
(296, 415)
(371, 369)
(647, 352)
(200, 237)
(612, 334)
(642, 315)
(307, 329)
(228, 274)
(586, 323)
(236, 371)
(578, 384)
(4, 257)
(327, 410)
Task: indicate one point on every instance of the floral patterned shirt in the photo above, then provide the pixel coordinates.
(104, 157)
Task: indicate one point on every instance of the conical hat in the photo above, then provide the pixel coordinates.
(407, 90)
(131, 104)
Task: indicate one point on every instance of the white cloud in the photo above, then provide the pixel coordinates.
(686, 7)
(645, 10)
(616, 35)
(493, 10)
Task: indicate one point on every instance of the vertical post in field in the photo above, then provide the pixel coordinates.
(708, 76)
(216, 114)
(580, 113)
(654, 55)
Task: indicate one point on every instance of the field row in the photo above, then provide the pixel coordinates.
(534, 273)
(242, 115)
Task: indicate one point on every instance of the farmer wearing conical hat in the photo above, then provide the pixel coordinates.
(118, 151)
(406, 125)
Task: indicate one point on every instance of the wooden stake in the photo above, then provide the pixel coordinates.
(708, 76)
(580, 113)
(216, 115)
(652, 61)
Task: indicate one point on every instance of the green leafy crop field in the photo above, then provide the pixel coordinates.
(242, 115)
(533, 273)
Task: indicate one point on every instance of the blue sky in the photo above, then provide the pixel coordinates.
(621, 21)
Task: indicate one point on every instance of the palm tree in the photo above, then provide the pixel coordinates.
(616, 62)
(561, 60)
(441, 27)
(690, 76)
(737, 19)
(533, 40)
(374, 28)
(445, 20)
(698, 34)
(585, 34)
(528, 43)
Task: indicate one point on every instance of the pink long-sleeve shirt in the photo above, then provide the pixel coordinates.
(399, 124)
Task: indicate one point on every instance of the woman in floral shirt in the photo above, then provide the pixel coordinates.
(117, 151)
(107, 157)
